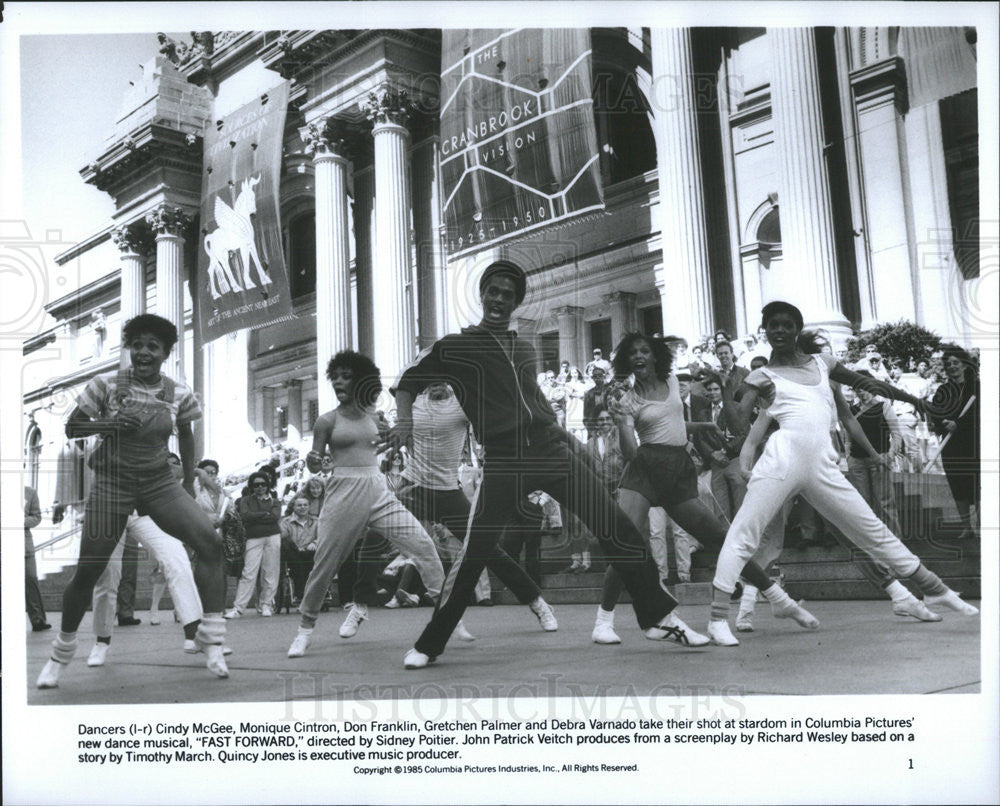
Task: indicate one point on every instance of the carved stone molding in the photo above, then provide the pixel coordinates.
(165, 219)
(386, 105)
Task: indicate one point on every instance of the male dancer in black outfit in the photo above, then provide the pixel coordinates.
(492, 373)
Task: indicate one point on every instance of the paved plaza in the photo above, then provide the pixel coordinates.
(860, 648)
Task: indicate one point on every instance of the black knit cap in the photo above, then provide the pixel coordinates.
(506, 269)
(780, 306)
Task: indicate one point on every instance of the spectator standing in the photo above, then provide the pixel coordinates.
(598, 361)
(32, 595)
(260, 512)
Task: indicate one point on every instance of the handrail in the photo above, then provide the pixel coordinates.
(59, 538)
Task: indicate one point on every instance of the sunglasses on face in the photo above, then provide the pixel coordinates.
(258, 484)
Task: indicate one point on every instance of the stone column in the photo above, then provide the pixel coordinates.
(809, 265)
(570, 320)
(394, 334)
(364, 239)
(880, 102)
(687, 298)
(294, 411)
(267, 412)
(324, 141)
(624, 314)
(132, 242)
(168, 223)
(431, 262)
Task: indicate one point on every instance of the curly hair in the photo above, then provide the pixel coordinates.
(367, 382)
(663, 358)
(208, 463)
(258, 475)
(162, 329)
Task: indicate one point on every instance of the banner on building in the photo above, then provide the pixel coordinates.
(518, 146)
(242, 281)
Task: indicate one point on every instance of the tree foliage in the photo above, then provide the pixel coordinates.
(903, 341)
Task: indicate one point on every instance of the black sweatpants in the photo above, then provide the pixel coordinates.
(451, 509)
(552, 466)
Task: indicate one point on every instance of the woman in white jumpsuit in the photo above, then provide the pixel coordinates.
(799, 459)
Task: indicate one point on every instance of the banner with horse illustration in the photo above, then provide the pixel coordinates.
(242, 281)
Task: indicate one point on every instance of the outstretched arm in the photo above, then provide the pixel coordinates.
(841, 374)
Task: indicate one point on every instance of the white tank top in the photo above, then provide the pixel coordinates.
(804, 412)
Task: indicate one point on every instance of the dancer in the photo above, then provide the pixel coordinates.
(660, 471)
(904, 603)
(357, 497)
(799, 458)
(431, 491)
(175, 564)
(135, 411)
(493, 375)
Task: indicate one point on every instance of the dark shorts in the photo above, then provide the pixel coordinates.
(447, 507)
(662, 474)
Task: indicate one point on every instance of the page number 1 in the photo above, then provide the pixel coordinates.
(911, 763)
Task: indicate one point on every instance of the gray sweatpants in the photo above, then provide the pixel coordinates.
(357, 499)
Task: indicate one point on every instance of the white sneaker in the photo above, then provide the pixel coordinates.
(98, 654)
(232, 613)
(49, 676)
(720, 634)
(62, 654)
(546, 616)
(354, 618)
(744, 621)
(404, 599)
(793, 610)
(462, 634)
(392, 604)
(267, 611)
(154, 618)
(191, 648)
(215, 661)
(673, 629)
(952, 601)
(300, 644)
(604, 633)
(912, 606)
(416, 660)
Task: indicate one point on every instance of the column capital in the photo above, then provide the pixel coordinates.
(618, 296)
(131, 239)
(386, 106)
(166, 219)
(326, 137)
(567, 310)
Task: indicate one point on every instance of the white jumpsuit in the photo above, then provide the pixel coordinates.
(799, 459)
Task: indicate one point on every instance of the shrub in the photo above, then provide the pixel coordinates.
(902, 341)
